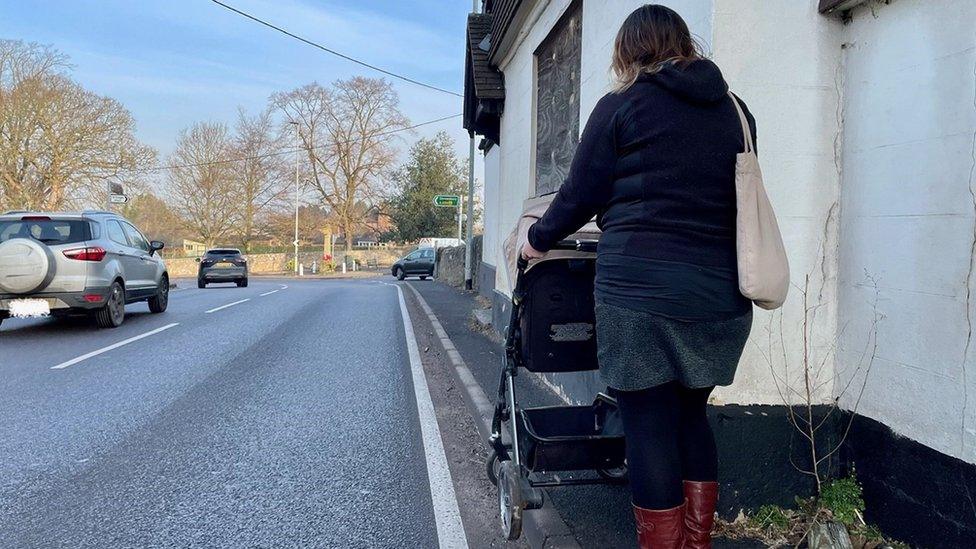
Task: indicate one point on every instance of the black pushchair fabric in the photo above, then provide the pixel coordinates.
(558, 326)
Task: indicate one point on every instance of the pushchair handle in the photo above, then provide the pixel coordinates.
(577, 245)
(588, 246)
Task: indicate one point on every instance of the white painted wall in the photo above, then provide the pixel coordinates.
(909, 152)
(782, 58)
(492, 243)
(788, 87)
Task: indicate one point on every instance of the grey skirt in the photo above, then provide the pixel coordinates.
(638, 350)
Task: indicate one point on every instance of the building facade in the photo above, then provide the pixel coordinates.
(866, 114)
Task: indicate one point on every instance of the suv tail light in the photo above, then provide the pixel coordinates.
(92, 253)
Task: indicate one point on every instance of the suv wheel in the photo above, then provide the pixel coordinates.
(158, 302)
(399, 274)
(113, 313)
(201, 284)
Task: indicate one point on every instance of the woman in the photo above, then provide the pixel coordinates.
(656, 164)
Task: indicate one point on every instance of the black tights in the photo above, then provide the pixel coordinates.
(668, 440)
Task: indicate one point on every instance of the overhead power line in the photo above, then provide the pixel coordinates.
(283, 151)
(333, 52)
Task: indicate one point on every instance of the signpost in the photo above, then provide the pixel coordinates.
(450, 201)
(118, 199)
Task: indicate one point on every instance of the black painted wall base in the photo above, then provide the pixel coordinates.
(913, 493)
(758, 448)
(486, 279)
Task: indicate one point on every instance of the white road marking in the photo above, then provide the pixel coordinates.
(269, 293)
(86, 356)
(214, 310)
(450, 530)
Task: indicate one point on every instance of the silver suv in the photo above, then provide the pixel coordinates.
(89, 262)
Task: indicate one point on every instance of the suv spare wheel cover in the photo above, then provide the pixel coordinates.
(25, 266)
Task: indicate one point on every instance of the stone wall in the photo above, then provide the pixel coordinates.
(450, 264)
(282, 262)
(257, 263)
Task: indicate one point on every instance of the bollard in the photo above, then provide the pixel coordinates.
(301, 269)
(315, 267)
(343, 267)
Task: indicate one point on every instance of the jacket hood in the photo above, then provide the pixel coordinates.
(699, 82)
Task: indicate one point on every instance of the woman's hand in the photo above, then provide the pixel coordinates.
(528, 252)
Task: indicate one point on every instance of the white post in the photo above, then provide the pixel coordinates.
(298, 142)
(343, 265)
(301, 270)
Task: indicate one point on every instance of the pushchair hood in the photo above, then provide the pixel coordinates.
(532, 211)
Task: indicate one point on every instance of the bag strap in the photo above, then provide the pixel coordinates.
(746, 132)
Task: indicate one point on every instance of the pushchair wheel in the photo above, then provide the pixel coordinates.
(510, 499)
(491, 467)
(619, 474)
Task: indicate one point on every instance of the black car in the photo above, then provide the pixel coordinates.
(222, 265)
(416, 263)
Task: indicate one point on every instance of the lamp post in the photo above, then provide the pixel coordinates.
(468, 283)
(298, 156)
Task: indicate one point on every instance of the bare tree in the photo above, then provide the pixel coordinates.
(802, 389)
(346, 135)
(201, 181)
(262, 174)
(60, 145)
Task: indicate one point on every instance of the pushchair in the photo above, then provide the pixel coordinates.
(552, 329)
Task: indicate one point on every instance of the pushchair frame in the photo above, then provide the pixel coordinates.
(519, 462)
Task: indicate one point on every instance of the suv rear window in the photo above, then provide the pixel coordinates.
(223, 252)
(48, 231)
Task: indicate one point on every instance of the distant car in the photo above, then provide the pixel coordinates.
(83, 262)
(417, 263)
(222, 265)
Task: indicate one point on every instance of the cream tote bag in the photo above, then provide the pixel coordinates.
(764, 271)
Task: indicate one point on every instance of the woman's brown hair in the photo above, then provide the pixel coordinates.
(650, 37)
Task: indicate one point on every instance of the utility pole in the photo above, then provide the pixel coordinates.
(298, 156)
(468, 243)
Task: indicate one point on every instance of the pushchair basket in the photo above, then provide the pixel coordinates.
(571, 438)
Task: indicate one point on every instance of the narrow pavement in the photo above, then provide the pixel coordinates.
(279, 415)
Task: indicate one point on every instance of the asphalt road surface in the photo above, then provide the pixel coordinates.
(284, 414)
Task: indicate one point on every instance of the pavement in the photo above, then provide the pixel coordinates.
(285, 414)
(594, 516)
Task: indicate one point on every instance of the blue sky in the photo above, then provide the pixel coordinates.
(176, 62)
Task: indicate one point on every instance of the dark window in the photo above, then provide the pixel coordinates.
(48, 231)
(557, 101)
(223, 253)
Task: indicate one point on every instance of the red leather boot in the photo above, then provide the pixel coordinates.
(663, 529)
(701, 498)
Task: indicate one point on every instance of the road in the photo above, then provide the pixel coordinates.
(280, 415)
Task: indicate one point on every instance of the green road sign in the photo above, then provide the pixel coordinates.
(447, 200)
